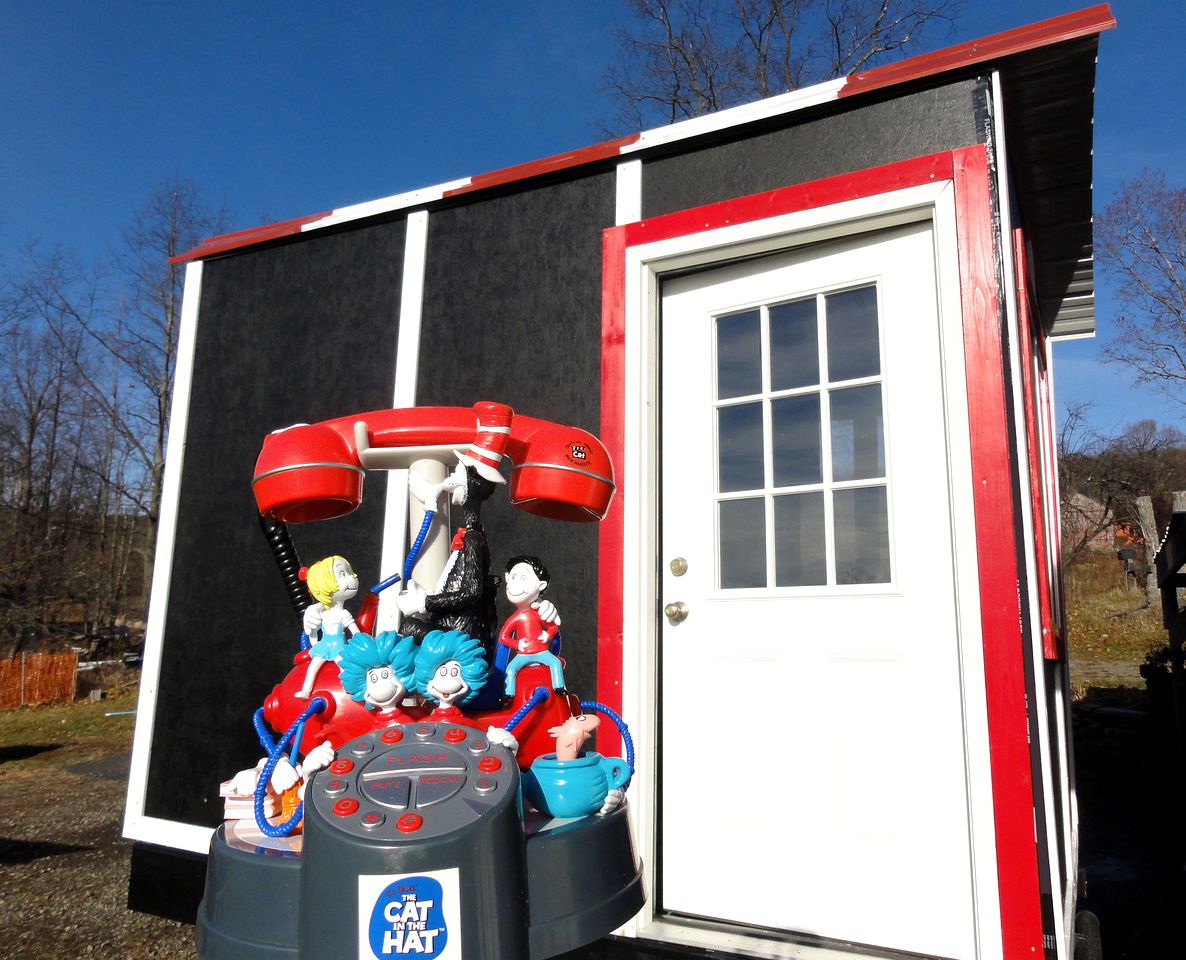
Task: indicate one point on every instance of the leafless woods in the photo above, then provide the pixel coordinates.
(89, 357)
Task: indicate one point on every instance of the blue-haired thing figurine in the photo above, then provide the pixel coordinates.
(450, 669)
(331, 581)
(379, 671)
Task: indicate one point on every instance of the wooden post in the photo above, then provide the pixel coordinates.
(1144, 507)
(22, 678)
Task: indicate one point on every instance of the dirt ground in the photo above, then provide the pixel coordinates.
(1131, 840)
(63, 864)
(64, 867)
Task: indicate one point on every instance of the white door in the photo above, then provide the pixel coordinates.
(812, 774)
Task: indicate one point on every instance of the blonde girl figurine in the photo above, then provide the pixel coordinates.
(331, 581)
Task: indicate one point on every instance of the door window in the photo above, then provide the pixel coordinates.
(801, 486)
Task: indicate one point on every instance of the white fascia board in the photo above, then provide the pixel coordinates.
(373, 208)
(736, 116)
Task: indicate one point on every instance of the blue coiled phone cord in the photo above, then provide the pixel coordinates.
(538, 697)
(410, 561)
(627, 740)
(316, 705)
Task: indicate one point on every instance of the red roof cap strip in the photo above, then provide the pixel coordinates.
(1070, 26)
(560, 161)
(247, 238)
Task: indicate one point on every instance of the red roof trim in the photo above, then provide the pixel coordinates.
(245, 238)
(1070, 26)
(559, 161)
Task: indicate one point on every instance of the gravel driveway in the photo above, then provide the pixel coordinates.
(64, 866)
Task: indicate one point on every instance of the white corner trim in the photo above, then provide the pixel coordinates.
(1031, 560)
(736, 116)
(628, 192)
(407, 369)
(136, 825)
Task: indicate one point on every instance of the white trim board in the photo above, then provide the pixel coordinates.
(137, 826)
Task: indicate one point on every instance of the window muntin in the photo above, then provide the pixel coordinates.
(802, 486)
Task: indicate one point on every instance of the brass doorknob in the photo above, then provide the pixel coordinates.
(676, 612)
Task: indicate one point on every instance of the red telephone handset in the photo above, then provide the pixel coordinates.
(315, 471)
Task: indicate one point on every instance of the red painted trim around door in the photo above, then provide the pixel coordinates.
(1017, 861)
(611, 530)
(1029, 388)
(1000, 613)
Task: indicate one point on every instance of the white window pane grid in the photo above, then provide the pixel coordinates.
(827, 484)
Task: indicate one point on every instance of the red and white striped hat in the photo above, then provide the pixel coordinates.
(486, 452)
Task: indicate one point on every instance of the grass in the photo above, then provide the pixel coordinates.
(72, 733)
(1106, 622)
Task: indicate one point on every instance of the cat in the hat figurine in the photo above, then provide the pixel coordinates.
(464, 597)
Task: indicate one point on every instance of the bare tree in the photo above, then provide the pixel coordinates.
(1103, 478)
(89, 361)
(133, 335)
(684, 58)
(144, 340)
(1140, 244)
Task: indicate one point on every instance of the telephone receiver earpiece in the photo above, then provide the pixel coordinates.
(315, 471)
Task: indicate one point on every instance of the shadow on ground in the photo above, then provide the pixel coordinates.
(25, 851)
(1130, 836)
(24, 751)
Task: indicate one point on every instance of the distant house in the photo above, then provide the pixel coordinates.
(1088, 525)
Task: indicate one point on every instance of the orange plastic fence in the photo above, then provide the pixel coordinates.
(33, 678)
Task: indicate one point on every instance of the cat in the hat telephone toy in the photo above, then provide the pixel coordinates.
(316, 472)
(394, 756)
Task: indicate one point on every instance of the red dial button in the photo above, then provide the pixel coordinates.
(454, 735)
(340, 767)
(489, 764)
(391, 735)
(409, 823)
(346, 806)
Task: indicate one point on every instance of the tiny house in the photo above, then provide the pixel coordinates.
(814, 334)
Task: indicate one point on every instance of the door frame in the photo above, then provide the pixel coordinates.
(953, 190)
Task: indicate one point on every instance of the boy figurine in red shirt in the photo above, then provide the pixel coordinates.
(524, 631)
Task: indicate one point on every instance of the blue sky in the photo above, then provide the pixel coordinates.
(286, 109)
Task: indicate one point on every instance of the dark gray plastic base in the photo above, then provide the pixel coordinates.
(583, 878)
(250, 908)
(584, 881)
